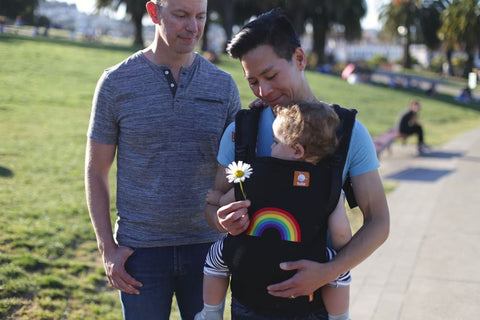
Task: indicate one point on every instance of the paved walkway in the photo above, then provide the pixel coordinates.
(429, 268)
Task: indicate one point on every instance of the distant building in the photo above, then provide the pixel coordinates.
(59, 13)
(370, 46)
(66, 16)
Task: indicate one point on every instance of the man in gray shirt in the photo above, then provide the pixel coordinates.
(162, 112)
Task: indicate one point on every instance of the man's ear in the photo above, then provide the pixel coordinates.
(152, 11)
(299, 151)
(300, 59)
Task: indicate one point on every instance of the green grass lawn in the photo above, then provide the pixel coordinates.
(49, 264)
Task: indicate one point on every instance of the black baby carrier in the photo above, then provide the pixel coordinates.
(290, 205)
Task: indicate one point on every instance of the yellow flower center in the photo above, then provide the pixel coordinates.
(238, 174)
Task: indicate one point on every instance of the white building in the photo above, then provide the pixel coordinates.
(68, 17)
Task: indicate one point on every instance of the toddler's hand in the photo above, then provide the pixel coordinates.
(213, 197)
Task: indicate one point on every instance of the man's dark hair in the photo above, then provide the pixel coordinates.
(271, 28)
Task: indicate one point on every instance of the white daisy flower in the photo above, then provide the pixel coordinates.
(238, 172)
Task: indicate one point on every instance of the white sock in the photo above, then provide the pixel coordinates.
(210, 307)
(210, 312)
(343, 316)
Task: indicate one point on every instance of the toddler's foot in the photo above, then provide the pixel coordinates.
(210, 312)
(343, 316)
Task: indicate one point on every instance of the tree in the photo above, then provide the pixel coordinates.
(400, 20)
(461, 29)
(136, 8)
(15, 8)
(228, 14)
(237, 12)
(323, 14)
(349, 14)
(430, 22)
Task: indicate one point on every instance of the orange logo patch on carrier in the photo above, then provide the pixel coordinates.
(301, 179)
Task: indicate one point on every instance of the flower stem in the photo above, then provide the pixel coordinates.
(243, 192)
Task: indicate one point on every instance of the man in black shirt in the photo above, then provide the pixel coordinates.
(409, 125)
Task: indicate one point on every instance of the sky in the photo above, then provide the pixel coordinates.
(369, 22)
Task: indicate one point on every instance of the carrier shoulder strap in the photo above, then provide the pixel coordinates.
(246, 131)
(344, 132)
(245, 137)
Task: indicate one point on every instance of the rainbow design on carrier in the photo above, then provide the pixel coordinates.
(275, 218)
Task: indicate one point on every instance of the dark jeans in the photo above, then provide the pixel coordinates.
(239, 312)
(415, 129)
(164, 271)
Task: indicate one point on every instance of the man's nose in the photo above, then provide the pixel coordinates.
(264, 89)
(192, 25)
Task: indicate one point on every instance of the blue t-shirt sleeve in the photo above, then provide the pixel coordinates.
(265, 133)
(226, 150)
(362, 157)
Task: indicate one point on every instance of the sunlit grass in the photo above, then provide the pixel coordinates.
(49, 264)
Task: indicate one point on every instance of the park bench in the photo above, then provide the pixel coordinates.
(397, 79)
(384, 140)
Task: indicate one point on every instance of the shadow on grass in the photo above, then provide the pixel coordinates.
(419, 174)
(83, 44)
(442, 154)
(6, 173)
(128, 49)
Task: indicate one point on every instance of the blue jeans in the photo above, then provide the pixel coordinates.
(164, 271)
(240, 312)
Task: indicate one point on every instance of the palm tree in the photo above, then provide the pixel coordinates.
(399, 16)
(136, 8)
(430, 23)
(349, 14)
(461, 29)
(325, 13)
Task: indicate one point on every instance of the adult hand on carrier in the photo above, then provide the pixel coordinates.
(114, 264)
(310, 277)
(233, 217)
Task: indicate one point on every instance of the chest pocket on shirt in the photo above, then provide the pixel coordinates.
(210, 116)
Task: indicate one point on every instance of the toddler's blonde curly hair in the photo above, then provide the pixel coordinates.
(311, 124)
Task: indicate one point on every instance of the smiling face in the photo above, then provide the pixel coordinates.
(275, 80)
(180, 22)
